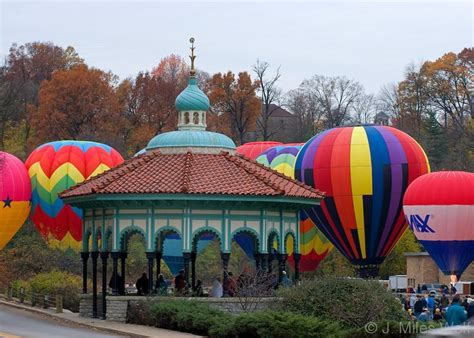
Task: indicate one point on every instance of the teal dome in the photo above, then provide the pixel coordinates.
(192, 98)
(191, 138)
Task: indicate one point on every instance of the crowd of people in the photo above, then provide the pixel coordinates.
(431, 306)
(179, 286)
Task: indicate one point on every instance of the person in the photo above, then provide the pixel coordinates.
(437, 315)
(180, 282)
(444, 303)
(406, 303)
(117, 284)
(285, 281)
(424, 315)
(419, 305)
(217, 290)
(161, 286)
(142, 285)
(424, 288)
(470, 310)
(418, 289)
(465, 303)
(452, 289)
(231, 286)
(456, 315)
(430, 302)
(197, 290)
(412, 300)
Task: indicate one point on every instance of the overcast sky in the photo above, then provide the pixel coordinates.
(371, 42)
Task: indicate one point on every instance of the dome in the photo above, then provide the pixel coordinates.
(192, 98)
(191, 138)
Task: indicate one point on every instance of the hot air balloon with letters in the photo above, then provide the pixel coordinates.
(54, 167)
(314, 246)
(439, 208)
(15, 196)
(364, 172)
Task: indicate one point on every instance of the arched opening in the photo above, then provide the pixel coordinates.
(273, 247)
(132, 244)
(206, 263)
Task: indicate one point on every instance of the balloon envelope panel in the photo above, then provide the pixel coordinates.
(439, 208)
(364, 172)
(15, 195)
(55, 167)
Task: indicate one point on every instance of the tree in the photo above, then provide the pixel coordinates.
(336, 97)
(306, 109)
(79, 103)
(364, 109)
(28, 66)
(236, 97)
(270, 95)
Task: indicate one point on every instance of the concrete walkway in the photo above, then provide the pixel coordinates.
(120, 329)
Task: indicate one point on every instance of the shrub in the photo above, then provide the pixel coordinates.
(352, 302)
(186, 316)
(277, 325)
(59, 283)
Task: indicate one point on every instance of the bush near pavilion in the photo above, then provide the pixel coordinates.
(352, 302)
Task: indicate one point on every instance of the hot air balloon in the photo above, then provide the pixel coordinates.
(54, 167)
(173, 250)
(364, 172)
(314, 246)
(253, 149)
(439, 208)
(15, 196)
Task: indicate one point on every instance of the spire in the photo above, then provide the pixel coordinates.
(192, 57)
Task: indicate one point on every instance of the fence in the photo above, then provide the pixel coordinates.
(34, 298)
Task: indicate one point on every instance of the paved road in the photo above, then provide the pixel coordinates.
(19, 323)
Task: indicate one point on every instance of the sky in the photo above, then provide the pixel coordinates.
(370, 42)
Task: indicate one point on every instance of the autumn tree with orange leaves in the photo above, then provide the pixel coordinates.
(78, 104)
(237, 98)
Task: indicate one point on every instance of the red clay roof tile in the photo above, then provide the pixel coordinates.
(189, 173)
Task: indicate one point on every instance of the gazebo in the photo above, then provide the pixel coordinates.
(189, 182)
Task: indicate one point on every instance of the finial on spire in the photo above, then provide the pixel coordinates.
(192, 57)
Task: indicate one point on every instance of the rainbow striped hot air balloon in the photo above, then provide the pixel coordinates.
(364, 172)
(439, 208)
(314, 246)
(15, 196)
(54, 167)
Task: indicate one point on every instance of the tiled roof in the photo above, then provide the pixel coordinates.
(188, 173)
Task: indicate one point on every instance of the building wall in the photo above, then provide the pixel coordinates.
(422, 269)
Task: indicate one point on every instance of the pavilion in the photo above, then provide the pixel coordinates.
(189, 182)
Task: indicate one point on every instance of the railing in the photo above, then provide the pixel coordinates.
(34, 298)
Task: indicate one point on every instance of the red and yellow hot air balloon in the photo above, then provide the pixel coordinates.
(54, 167)
(314, 246)
(15, 196)
(364, 172)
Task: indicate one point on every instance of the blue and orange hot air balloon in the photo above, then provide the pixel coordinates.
(439, 208)
(15, 196)
(364, 172)
(54, 167)
(314, 246)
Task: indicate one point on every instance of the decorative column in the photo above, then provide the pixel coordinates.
(115, 257)
(257, 262)
(193, 269)
(281, 265)
(264, 261)
(84, 257)
(123, 257)
(296, 257)
(150, 256)
(104, 256)
(94, 256)
(225, 265)
(158, 257)
(187, 259)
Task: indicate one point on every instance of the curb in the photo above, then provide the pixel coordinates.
(68, 320)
